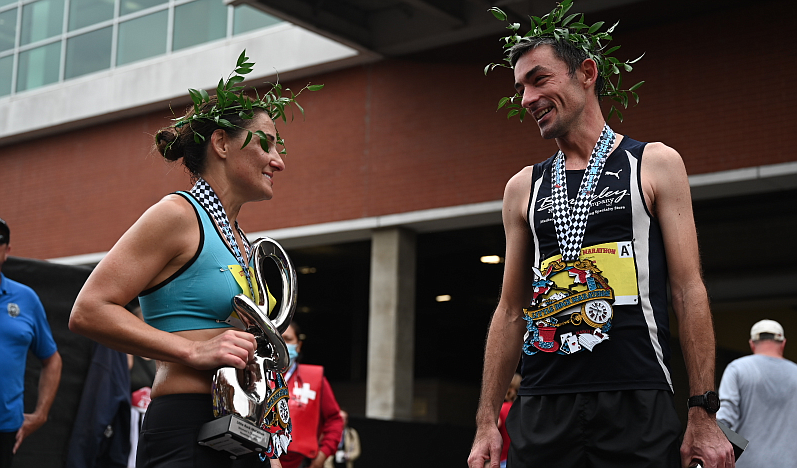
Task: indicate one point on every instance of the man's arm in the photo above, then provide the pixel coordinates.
(666, 188)
(505, 336)
(730, 399)
(49, 379)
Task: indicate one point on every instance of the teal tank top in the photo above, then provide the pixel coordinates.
(199, 295)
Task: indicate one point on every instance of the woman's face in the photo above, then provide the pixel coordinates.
(252, 168)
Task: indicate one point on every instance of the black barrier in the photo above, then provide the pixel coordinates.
(396, 444)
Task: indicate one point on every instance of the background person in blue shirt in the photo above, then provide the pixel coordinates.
(23, 326)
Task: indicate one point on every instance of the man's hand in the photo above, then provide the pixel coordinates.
(705, 442)
(31, 424)
(318, 461)
(486, 450)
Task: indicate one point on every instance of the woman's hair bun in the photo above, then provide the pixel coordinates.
(166, 140)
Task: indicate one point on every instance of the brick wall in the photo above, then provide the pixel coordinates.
(412, 134)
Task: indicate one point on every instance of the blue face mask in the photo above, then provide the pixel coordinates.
(292, 352)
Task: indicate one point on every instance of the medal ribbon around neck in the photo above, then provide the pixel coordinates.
(571, 223)
(210, 201)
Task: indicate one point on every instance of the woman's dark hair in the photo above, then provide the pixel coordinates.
(174, 142)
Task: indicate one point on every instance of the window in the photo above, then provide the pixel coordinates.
(42, 20)
(84, 13)
(88, 53)
(199, 22)
(8, 29)
(132, 6)
(39, 66)
(6, 73)
(47, 41)
(142, 37)
(248, 18)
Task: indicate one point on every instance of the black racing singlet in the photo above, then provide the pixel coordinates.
(600, 324)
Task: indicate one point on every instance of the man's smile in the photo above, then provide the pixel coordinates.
(542, 113)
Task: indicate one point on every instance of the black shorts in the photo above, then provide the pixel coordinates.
(623, 429)
(169, 433)
(7, 441)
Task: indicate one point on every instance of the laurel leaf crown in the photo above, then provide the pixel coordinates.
(588, 38)
(230, 98)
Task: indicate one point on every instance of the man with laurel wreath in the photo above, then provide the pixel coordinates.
(593, 236)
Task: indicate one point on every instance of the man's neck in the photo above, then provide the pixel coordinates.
(769, 352)
(578, 143)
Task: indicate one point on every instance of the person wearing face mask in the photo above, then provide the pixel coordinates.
(315, 414)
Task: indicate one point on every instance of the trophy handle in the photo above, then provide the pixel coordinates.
(270, 345)
(267, 247)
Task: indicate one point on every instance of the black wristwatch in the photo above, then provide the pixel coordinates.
(710, 401)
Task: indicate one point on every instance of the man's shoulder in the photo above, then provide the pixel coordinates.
(743, 360)
(751, 360)
(521, 179)
(664, 170)
(781, 367)
(782, 364)
(660, 153)
(524, 176)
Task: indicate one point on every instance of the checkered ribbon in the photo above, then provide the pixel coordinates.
(210, 201)
(571, 222)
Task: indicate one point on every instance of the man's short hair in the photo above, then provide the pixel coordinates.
(5, 233)
(571, 55)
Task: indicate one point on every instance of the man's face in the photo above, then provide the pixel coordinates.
(552, 97)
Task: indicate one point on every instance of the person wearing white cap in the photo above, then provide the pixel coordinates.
(757, 399)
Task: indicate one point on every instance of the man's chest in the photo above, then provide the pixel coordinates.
(16, 326)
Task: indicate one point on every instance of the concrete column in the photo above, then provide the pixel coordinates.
(391, 328)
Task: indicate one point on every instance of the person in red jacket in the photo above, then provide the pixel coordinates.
(315, 414)
(511, 396)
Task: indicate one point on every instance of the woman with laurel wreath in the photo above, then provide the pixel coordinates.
(182, 258)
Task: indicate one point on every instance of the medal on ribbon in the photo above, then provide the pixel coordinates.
(570, 289)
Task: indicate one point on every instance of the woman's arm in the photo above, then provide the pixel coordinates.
(164, 239)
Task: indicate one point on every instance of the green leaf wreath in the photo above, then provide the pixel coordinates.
(231, 98)
(586, 37)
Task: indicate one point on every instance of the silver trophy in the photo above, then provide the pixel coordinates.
(247, 402)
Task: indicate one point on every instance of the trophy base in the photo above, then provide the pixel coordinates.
(234, 435)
